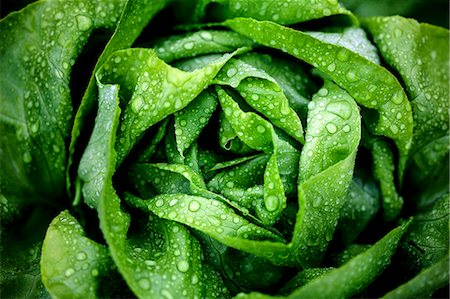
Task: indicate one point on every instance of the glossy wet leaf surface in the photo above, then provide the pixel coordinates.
(222, 148)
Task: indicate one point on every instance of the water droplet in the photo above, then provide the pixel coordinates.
(351, 76)
(194, 206)
(159, 203)
(346, 128)
(83, 23)
(194, 279)
(94, 272)
(150, 263)
(260, 129)
(27, 157)
(183, 266)
(69, 272)
(316, 202)
(166, 294)
(331, 128)
(81, 256)
(331, 67)
(35, 127)
(206, 35)
(340, 108)
(271, 202)
(231, 72)
(137, 103)
(394, 129)
(397, 98)
(323, 92)
(189, 45)
(56, 148)
(144, 283)
(342, 55)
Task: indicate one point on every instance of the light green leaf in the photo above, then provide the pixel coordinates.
(325, 170)
(287, 12)
(146, 256)
(153, 90)
(72, 265)
(424, 67)
(353, 276)
(369, 84)
(244, 124)
(199, 43)
(190, 121)
(135, 16)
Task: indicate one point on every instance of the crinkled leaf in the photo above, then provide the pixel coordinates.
(290, 75)
(352, 38)
(93, 174)
(213, 218)
(135, 16)
(244, 123)
(154, 90)
(424, 68)
(263, 94)
(357, 273)
(384, 173)
(369, 84)
(427, 240)
(144, 257)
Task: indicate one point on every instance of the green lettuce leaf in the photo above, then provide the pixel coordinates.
(72, 265)
(40, 46)
(288, 12)
(353, 276)
(369, 84)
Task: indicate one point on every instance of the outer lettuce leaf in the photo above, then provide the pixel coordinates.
(135, 16)
(39, 47)
(353, 276)
(287, 12)
(424, 68)
(425, 283)
(72, 265)
(371, 85)
(427, 240)
(352, 38)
